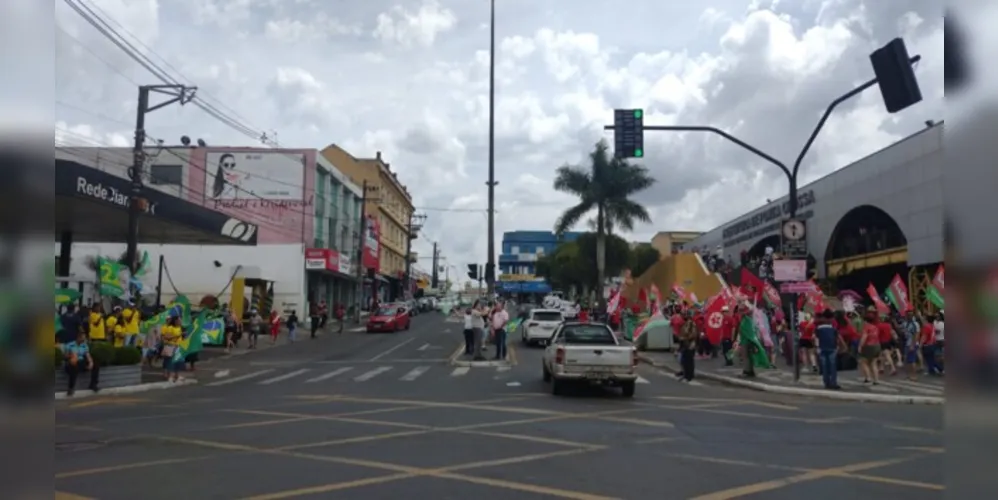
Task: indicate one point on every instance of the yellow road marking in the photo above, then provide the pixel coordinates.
(811, 475)
(354, 440)
(511, 355)
(456, 354)
(730, 401)
(326, 488)
(106, 401)
(832, 420)
(532, 439)
(134, 465)
(639, 421)
(258, 424)
(663, 439)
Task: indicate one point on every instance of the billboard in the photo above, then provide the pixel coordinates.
(271, 188)
(372, 245)
(254, 175)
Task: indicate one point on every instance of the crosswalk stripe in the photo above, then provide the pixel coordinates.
(371, 374)
(329, 375)
(283, 377)
(415, 373)
(503, 368)
(642, 380)
(461, 370)
(239, 378)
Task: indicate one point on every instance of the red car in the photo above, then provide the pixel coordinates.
(388, 319)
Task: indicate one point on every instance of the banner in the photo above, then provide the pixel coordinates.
(897, 293)
(191, 343)
(935, 291)
(877, 301)
(113, 277)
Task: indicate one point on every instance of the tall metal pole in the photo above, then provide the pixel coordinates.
(490, 262)
(415, 224)
(434, 274)
(360, 250)
(137, 204)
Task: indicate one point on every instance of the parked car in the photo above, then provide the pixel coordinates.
(537, 325)
(389, 318)
(589, 353)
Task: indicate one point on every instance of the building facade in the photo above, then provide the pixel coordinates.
(885, 209)
(518, 260)
(670, 242)
(388, 208)
(304, 212)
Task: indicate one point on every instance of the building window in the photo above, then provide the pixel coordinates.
(166, 175)
(515, 250)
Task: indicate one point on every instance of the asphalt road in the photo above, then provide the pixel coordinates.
(485, 433)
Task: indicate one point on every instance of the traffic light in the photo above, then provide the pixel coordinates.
(473, 272)
(628, 133)
(896, 77)
(490, 273)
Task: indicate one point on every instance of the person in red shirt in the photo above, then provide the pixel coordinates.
(727, 335)
(704, 347)
(888, 344)
(584, 315)
(869, 348)
(807, 354)
(676, 322)
(927, 341)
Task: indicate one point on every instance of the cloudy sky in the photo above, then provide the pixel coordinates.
(410, 78)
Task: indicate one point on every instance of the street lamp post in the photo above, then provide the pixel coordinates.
(490, 262)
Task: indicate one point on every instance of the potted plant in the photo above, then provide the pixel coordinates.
(119, 366)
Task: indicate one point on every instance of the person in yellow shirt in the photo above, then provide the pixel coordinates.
(113, 327)
(96, 324)
(130, 318)
(171, 334)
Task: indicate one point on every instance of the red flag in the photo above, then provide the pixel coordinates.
(877, 301)
(681, 292)
(899, 294)
(771, 294)
(714, 320)
(751, 280)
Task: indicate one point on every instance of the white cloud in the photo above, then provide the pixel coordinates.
(763, 72)
(407, 28)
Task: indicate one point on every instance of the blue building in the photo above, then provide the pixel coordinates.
(518, 260)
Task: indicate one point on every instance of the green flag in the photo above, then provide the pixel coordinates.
(748, 335)
(114, 277)
(66, 295)
(936, 297)
(181, 307)
(191, 343)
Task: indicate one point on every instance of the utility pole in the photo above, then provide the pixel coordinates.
(490, 275)
(363, 232)
(415, 224)
(136, 203)
(434, 275)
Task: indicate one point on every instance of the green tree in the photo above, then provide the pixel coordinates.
(562, 268)
(574, 263)
(643, 256)
(606, 185)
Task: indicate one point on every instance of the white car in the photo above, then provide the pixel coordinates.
(589, 353)
(539, 325)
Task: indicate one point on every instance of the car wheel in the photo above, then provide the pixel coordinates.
(627, 389)
(546, 375)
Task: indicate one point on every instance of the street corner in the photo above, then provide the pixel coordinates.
(460, 359)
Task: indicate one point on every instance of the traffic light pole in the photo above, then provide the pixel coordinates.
(790, 173)
(490, 263)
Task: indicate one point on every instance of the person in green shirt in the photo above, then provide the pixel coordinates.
(747, 337)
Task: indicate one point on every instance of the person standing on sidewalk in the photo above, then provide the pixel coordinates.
(478, 313)
(340, 313)
(727, 335)
(314, 318)
(275, 326)
(469, 333)
(688, 337)
(830, 343)
(255, 326)
(292, 325)
(499, 319)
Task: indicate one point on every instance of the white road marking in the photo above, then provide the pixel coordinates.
(371, 374)
(414, 373)
(393, 349)
(423, 347)
(503, 368)
(461, 370)
(329, 375)
(512, 384)
(239, 378)
(642, 380)
(283, 377)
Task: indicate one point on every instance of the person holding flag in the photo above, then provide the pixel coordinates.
(747, 338)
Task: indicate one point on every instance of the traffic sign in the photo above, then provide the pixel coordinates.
(790, 270)
(793, 238)
(796, 287)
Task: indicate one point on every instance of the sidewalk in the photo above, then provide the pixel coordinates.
(211, 353)
(892, 389)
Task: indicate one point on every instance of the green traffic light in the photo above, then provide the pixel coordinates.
(638, 153)
(638, 113)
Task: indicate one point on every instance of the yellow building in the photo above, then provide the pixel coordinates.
(667, 242)
(390, 202)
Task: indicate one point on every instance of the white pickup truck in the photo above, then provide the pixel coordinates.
(589, 353)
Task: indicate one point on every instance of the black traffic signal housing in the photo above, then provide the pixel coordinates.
(473, 272)
(895, 76)
(628, 133)
(490, 273)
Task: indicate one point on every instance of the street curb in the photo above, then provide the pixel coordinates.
(129, 389)
(801, 391)
(454, 361)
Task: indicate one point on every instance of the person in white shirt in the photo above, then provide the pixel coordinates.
(478, 313)
(469, 333)
(940, 329)
(499, 319)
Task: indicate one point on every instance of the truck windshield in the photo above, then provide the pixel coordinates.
(589, 334)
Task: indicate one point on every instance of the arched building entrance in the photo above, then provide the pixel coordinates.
(866, 246)
(759, 248)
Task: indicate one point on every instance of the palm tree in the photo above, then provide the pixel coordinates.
(605, 186)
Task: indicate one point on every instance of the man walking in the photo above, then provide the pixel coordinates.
(499, 319)
(830, 343)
